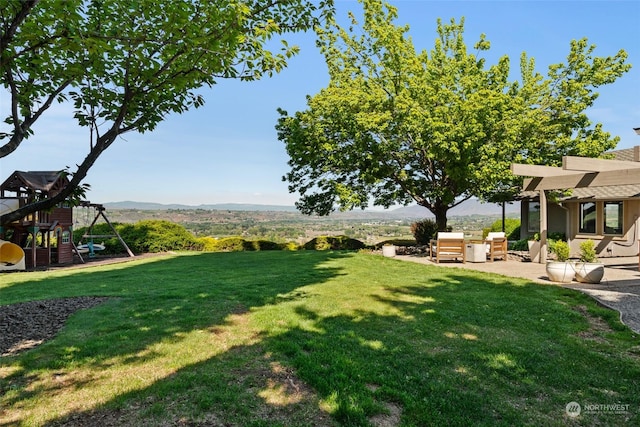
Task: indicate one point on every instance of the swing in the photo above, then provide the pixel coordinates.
(91, 247)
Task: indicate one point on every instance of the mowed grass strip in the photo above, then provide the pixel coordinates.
(316, 338)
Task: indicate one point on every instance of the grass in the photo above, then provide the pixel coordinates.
(316, 338)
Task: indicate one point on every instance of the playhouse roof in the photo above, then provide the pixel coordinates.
(43, 181)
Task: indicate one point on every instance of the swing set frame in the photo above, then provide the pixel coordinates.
(89, 235)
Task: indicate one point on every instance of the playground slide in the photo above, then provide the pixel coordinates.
(11, 256)
(8, 205)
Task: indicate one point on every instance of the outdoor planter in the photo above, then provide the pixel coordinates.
(534, 250)
(560, 271)
(389, 250)
(589, 272)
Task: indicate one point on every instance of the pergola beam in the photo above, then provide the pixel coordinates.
(582, 180)
(586, 164)
(538, 170)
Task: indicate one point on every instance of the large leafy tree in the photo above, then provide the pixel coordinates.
(396, 125)
(126, 65)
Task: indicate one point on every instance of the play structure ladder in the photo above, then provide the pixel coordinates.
(100, 212)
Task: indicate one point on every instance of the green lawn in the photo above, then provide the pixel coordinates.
(317, 338)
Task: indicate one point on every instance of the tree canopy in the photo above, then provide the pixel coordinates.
(126, 65)
(396, 125)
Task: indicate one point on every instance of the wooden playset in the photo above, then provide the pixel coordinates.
(43, 238)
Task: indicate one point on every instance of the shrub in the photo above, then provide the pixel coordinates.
(396, 242)
(423, 231)
(588, 251)
(156, 236)
(289, 246)
(260, 245)
(511, 228)
(206, 244)
(556, 236)
(560, 248)
(519, 245)
(323, 243)
(230, 244)
(238, 244)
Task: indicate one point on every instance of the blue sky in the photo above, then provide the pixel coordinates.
(228, 151)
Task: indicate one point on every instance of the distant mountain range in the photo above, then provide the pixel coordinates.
(148, 206)
(468, 208)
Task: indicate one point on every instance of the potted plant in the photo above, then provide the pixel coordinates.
(560, 270)
(589, 270)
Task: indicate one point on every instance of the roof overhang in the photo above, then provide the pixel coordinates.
(580, 172)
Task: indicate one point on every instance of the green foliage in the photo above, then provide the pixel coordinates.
(511, 228)
(142, 237)
(560, 248)
(206, 244)
(556, 235)
(519, 245)
(127, 65)
(588, 251)
(290, 246)
(423, 231)
(157, 236)
(238, 244)
(230, 244)
(395, 242)
(262, 245)
(401, 125)
(323, 243)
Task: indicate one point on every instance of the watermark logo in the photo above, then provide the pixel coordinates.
(573, 409)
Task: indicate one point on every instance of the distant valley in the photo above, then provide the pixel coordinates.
(285, 223)
(468, 208)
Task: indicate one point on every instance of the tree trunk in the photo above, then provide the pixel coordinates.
(441, 219)
(440, 211)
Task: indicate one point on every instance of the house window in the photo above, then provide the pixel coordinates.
(66, 237)
(533, 224)
(613, 218)
(587, 223)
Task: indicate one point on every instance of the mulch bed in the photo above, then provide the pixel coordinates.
(27, 324)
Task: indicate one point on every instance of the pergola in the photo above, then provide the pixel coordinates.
(576, 172)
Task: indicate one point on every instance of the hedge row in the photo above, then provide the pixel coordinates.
(162, 236)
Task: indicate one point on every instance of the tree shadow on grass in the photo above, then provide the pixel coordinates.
(154, 303)
(464, 351)
(431, 347)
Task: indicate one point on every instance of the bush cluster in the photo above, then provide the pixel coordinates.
(238, 244)
(162, 236)
(423, 231)
(511, 228)
(323, 243)
(142, 237)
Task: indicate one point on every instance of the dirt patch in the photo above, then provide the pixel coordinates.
(390, 419)
(597, 326)
(28, 324)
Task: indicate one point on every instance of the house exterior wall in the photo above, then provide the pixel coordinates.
(557, 217)
(607, 245)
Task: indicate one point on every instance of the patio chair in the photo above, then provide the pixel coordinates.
(496, 245)
(448, 245)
